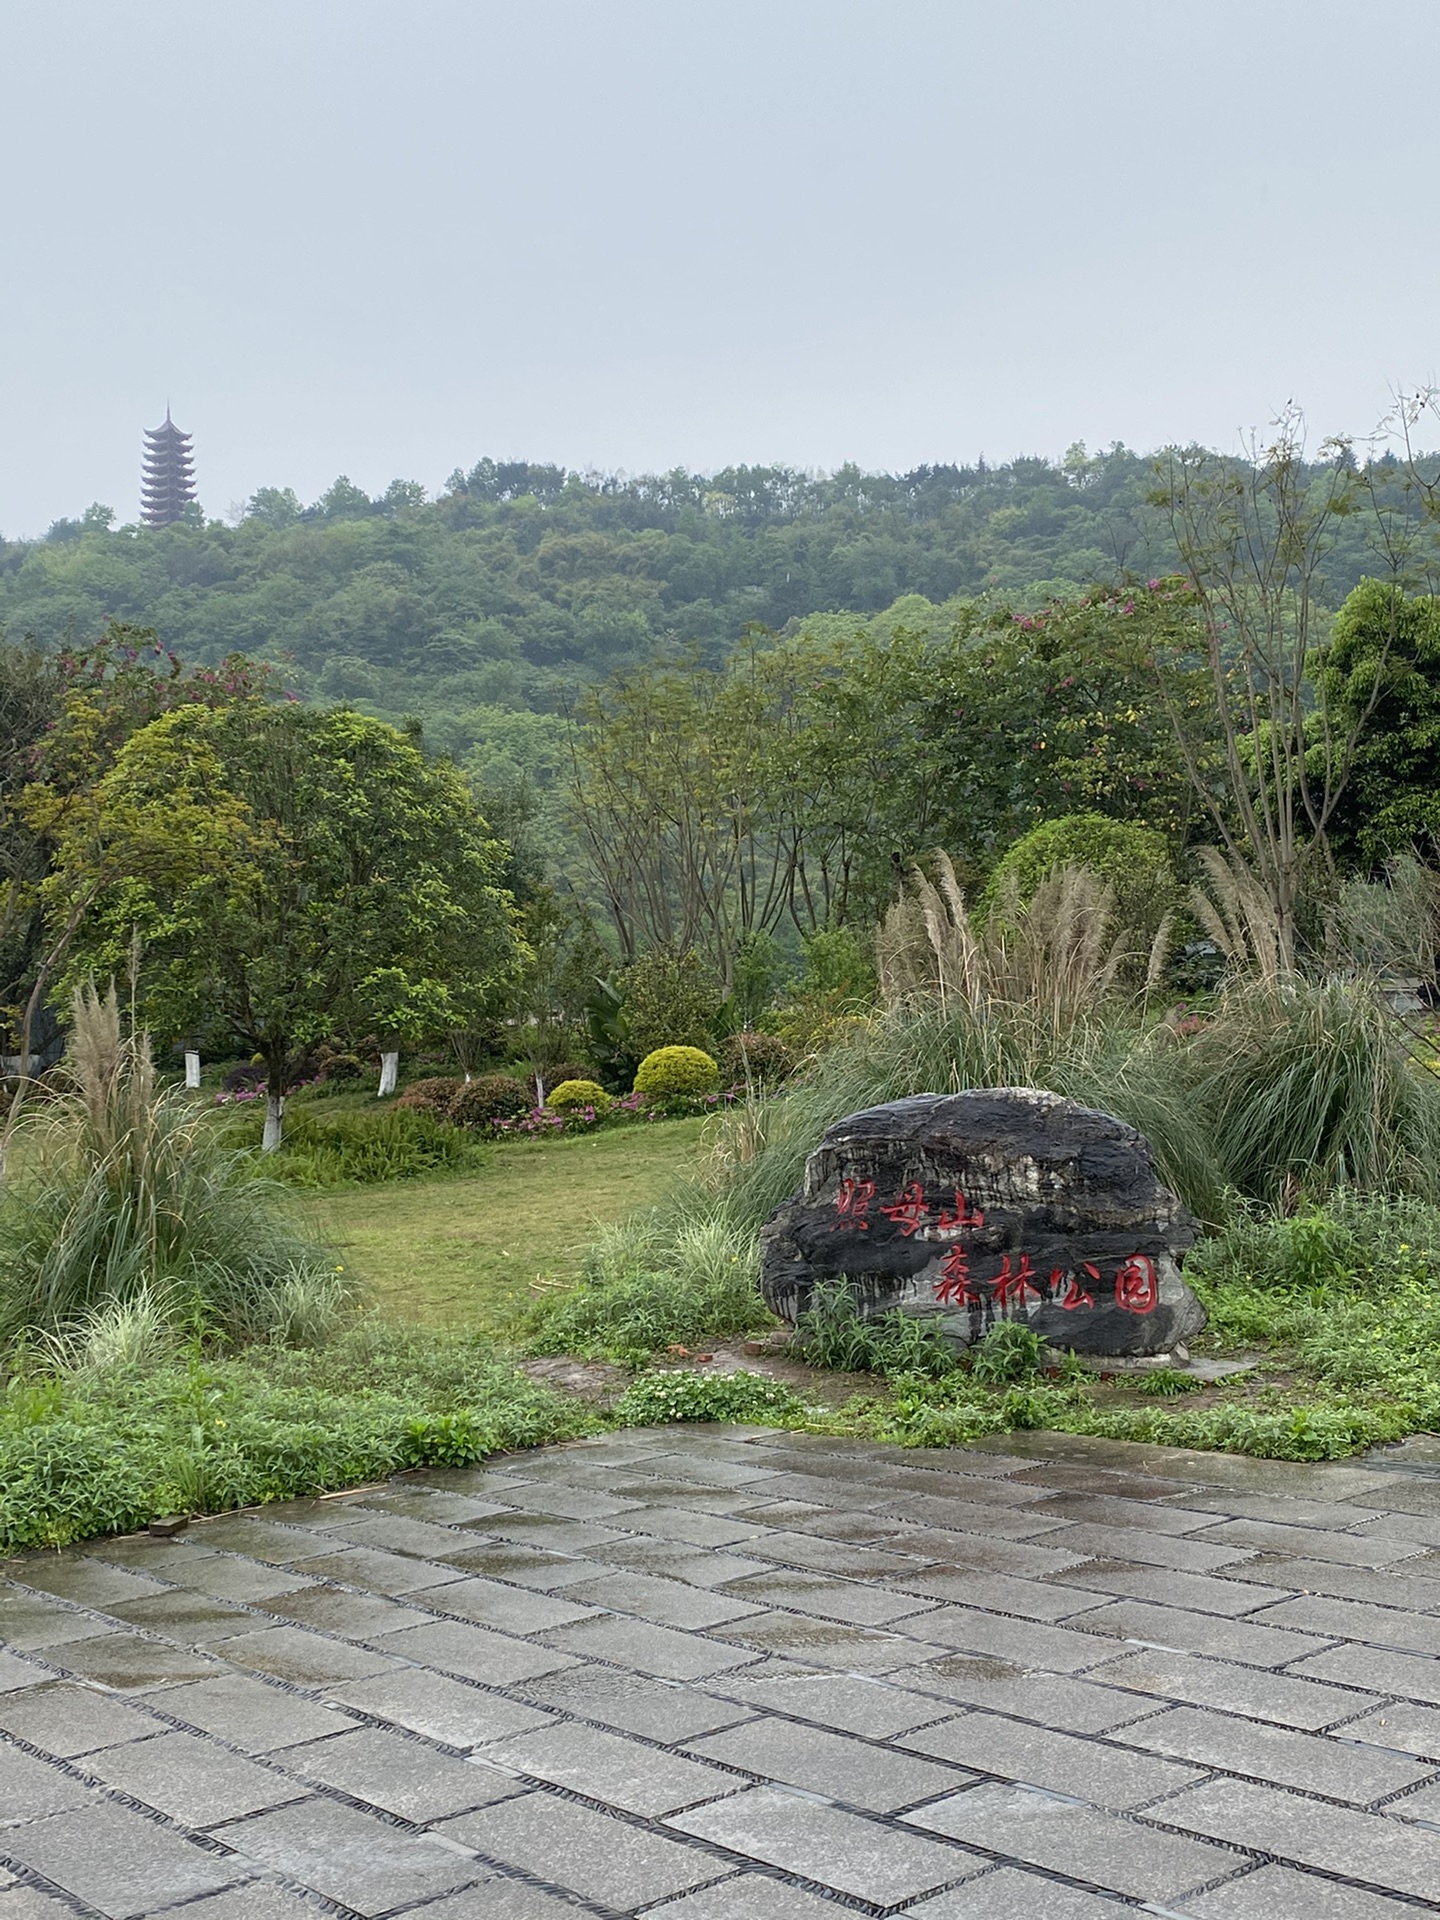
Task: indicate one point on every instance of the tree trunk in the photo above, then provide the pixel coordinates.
(192, 1069)
(389, 1073)
(274, 1121)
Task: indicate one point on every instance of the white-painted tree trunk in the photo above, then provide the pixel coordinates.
(389, 1073)
(274, 1119)
(192, 1068)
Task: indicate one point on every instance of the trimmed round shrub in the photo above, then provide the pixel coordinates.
(435, 1096)
(1135, 860)
(570, 1070)
(761, 1057)
(341, 1066)
(571, 1094)
(671, 1070)
(492, 1096)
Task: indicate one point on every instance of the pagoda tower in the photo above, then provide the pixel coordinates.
(167, 484)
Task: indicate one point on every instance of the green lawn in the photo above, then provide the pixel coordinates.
(468, 1250)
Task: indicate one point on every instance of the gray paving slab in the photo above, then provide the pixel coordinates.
(248, 1713)
(846, 1702)
(20, 1902)
(1389, 1854)
(623, 1773)
(1413, 1676)
(491, 1603)
(258, 1900)
(307, 1659)
(724, 1674)
(675, 1560)
(527, 1566)
(474, 1653)
(228, 1576)
(374, 1570)
(30, 1622)
(1316, 1543)
(349, 1616)
(860, 1605)
(1043, 1830)
(131, 1662)
(662, 1710)
(31, 1787)
(1085, 1769)
(1010, 1893)
(79, 1579)
(17, 1672)
(365, 1863)
(869, 1859)
(68, 1720)
(1411, 1584)
(1357, 1620)
(191, 1619)
(443, 1709)
(396, 1773)
(1252, 1691)
(1281, 1893)
(1168, 1587)
(1025, 1643)
(745, 1896)
(1048, 1699)
(1187, 1552)
(193, 1781)
(602, 1858)
(120, 1863)
(1400, 1728)
(646, 1648)
(694, 1528)
(1310, 1763)
(841, 1767)
(826, 1643)
(668, 1603)
(398, 1533)
(1186, 1631)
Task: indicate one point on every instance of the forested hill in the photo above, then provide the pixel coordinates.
(482, 610)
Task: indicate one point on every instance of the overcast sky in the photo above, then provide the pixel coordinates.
(385, 237)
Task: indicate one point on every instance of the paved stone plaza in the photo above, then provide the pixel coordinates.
(732, 1674)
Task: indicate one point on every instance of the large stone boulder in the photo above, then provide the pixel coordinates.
(1001, 1204)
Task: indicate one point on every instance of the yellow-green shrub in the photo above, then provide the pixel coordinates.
(671, 1070)
(579, 1093)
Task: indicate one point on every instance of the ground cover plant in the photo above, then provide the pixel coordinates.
(105, 1449)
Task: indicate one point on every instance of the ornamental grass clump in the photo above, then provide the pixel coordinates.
(133, 1199)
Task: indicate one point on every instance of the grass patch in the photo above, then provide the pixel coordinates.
(95, 1454)
(470, 1249)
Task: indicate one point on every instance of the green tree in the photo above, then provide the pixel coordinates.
(1381, 674)
(288, 875)
(669, 1000)
(1132, 859)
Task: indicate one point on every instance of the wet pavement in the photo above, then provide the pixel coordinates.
(714, 1673)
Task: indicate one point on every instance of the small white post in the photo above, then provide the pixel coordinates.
(192, 1069)
(274, 1118)
(389, 1073)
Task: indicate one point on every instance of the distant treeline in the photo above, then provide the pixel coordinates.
(485, 610)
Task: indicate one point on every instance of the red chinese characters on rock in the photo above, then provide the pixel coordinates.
(1067, 1292)
(1013, 1289)
(955, 1288)
(909, 1212)
(964, 1216)
(852, 1204)
(1016, 1285)
(1136, 1288)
